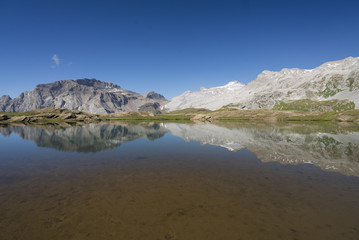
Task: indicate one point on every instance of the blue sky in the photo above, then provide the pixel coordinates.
(168, 46)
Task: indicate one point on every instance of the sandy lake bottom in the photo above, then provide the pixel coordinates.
(151, 182)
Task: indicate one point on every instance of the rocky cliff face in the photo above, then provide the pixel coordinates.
(88, 95)
(332, 80)
(210, 98)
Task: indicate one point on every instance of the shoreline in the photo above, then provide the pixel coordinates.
(53, 115)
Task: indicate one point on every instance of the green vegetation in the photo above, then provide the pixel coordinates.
(352, 84)
(235, 115)
(234, 119)
(14, 114)
(331, 87)
(262, 104)
(157, 117)
(231, 105)
(328, 141)
(294, 111)
(354, 113)
(329, 92)
(285, 116)
(350, 149)
(310, 94)
(190, 110)
(311, 105)
(331, 145)
(320, 117)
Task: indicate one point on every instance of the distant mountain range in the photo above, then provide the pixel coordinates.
(88, 95)
(332, 80)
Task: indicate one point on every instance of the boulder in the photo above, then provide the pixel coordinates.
(201, 117)
(67, 116)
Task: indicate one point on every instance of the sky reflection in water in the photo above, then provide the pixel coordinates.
(133, 181)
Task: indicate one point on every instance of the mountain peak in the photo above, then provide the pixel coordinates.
(332, 80)
(87, 95)
(232, 83)
(93, 82)
(340, 64)
(153, 95)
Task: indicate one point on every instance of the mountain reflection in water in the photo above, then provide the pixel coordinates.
(155, 181)
(87, 138)
(332, 148)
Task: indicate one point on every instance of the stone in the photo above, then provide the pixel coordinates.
(201, 117)
(83, 95)
(332, 80)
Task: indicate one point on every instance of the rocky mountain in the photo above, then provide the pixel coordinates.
(331, 80)
(205, 97)
(88, 95)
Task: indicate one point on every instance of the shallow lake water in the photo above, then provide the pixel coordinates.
(179, 181)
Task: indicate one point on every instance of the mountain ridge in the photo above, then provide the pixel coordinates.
(88, 95)
(331, 80)
(335, 80)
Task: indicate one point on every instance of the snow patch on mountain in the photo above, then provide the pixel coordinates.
(206, 97)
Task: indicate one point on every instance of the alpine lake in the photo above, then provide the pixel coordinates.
(145, 180)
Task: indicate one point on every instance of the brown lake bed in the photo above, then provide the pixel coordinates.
(148, 183)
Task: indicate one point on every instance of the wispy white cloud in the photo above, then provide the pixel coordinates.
(56, 59)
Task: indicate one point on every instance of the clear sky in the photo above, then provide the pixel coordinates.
(168, 46)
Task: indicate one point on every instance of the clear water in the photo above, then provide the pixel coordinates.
(179, 181)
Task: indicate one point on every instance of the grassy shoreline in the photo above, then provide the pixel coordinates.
(53, 115)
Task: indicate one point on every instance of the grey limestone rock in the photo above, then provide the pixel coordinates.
(4, 102)
(332, 80)
(87, 95)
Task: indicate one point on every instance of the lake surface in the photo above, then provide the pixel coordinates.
(179, 181)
